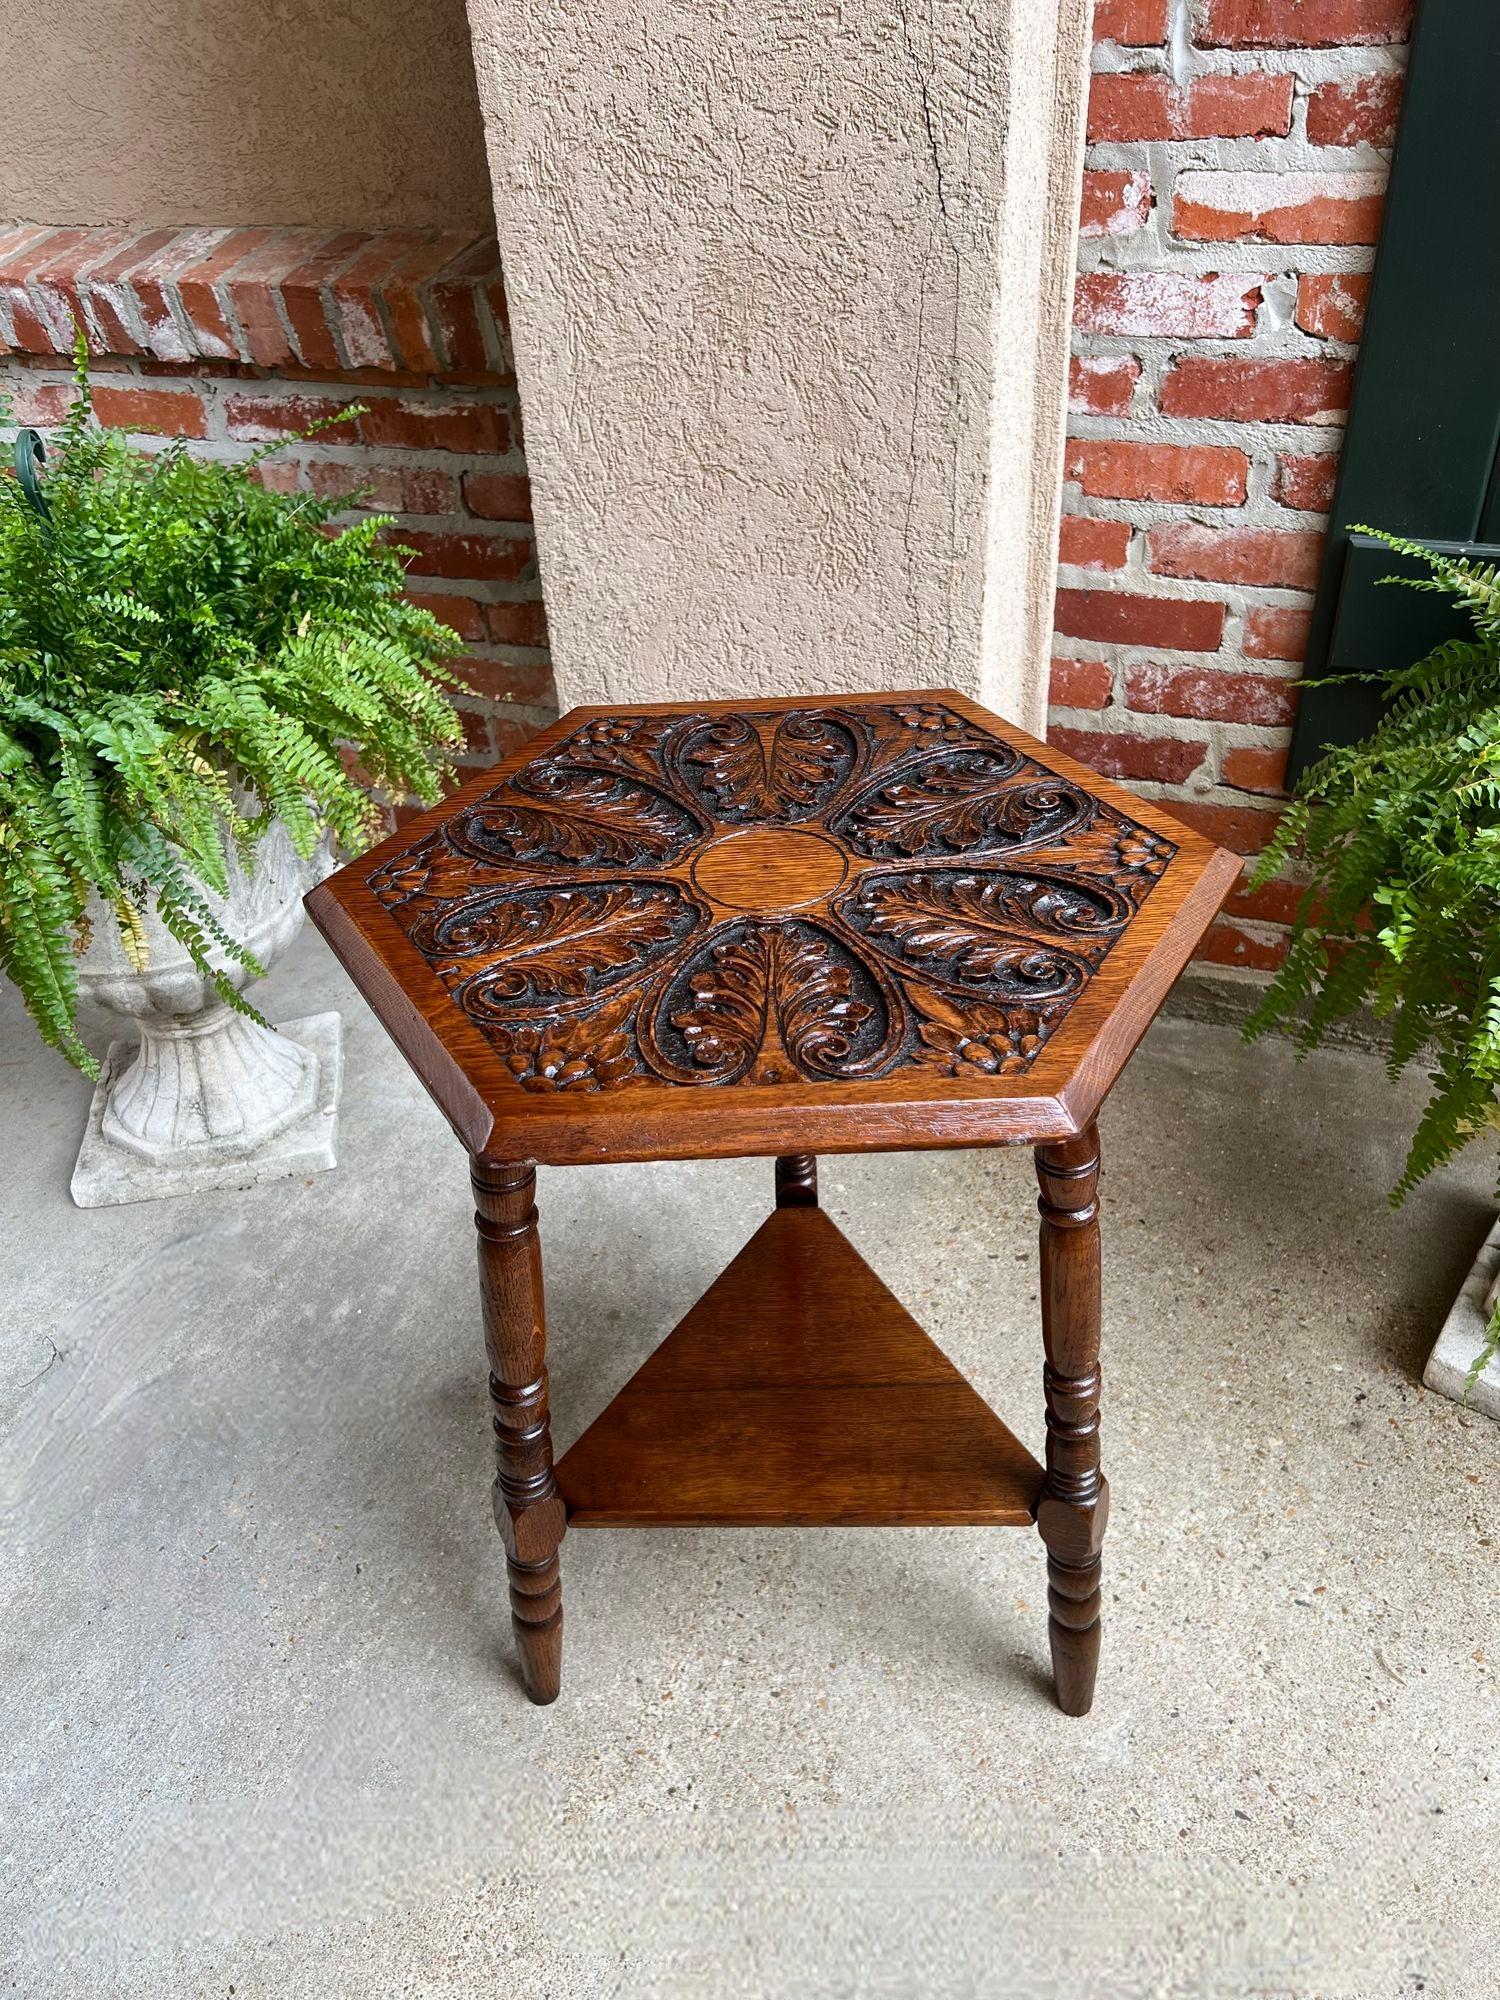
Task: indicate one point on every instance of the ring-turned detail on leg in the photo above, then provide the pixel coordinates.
(528, 1508)
(1075, 1498)
(797, 1181)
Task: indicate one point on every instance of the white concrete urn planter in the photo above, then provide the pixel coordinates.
(1461, 1341)
(207, 1098)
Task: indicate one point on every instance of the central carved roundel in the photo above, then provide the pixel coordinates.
(766, 869)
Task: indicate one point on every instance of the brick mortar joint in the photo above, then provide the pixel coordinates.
(1340, 62)
(275, 388)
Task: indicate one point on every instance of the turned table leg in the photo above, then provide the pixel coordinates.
(528, 1508)
(797, 1180)
(1075, 1498)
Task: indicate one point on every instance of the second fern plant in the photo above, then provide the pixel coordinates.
(1400, 836)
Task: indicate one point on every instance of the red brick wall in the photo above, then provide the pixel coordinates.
(1237, 152)
(232, 337)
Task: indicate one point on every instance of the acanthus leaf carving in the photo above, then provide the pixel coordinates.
(962, 804)
(553, 944)
(972, 929)
(587, 818)
(432, 877)
(784, 999)
(787, 773)
(981, 893)
(819, 1012)
(728, 999)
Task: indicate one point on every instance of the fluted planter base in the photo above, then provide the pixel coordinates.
(226, 1105)
(1461, 1341)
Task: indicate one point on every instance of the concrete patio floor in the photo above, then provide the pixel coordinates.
(262, 1734)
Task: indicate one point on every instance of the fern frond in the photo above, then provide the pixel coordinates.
(184, 655)
(1399, 837)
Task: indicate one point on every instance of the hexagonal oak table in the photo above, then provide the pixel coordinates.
(842, 924)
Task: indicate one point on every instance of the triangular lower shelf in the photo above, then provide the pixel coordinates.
(798, 1391)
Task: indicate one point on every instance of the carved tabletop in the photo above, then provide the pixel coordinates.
(850, 920)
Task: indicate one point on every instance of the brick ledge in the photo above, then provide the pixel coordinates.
(408, 301)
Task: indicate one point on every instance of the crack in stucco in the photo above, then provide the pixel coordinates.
(924, 98)
(946, 231)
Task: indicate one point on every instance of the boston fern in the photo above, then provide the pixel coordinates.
(183, 656)
(1400, 835)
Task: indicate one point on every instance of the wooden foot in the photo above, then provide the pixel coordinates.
(1075, 1498)
(528, 1508)
(797, 1181)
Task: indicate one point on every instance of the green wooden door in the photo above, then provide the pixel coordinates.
(1420, 456)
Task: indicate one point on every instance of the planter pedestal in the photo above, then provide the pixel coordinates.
(1462, 1337)
(264, 1146)
(208, 1098)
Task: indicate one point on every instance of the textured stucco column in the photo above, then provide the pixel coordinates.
(789, 286)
